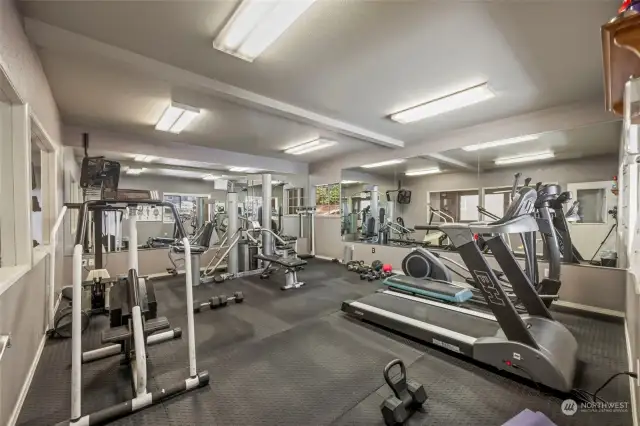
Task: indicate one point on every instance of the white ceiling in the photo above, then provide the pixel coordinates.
(352, 61)
(177, 168)
(95, 92)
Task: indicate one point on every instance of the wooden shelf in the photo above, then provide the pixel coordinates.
(621, 58)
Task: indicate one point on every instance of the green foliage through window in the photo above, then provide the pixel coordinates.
(328, 195)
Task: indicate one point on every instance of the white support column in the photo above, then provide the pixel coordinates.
(267, 241)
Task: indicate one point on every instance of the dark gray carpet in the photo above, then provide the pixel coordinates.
(292, 358)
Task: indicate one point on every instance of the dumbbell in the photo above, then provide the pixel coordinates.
(218, 301)
(222, 300)
(408, 396)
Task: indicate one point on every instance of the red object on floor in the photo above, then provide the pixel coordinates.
(387, 267)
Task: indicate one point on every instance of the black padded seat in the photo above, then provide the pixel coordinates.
(289, 262)
(195, 249)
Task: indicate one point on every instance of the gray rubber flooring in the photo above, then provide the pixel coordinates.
(292, 358)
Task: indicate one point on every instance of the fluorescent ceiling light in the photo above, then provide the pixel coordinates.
(243, 170)
(501, 142)
(524, 158)
(349, 182)
(176, 118)
(135, 172)
(210, 177)
(444, 104)
(422, 172)
(144, 158)
(310, 146)
(383, 163)
(256, 24)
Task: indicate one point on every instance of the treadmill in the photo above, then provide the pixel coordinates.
(533, 346)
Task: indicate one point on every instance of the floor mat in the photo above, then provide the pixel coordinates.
(293, 358)
(308, 375)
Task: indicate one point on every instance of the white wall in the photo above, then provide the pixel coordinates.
(23, 68)
(27, 83)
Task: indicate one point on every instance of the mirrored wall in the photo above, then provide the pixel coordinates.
(475, 183)
(202, 204)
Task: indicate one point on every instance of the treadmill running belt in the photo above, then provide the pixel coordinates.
(469, 325)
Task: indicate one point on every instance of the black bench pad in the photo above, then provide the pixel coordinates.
(289, 262)
(194, 249)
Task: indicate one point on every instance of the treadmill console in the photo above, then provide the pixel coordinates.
(522, 204)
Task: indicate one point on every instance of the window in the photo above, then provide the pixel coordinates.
(469, 207)
(328, 199)
(495, 203)
(454, 206)
(36, 192)
(592, 205)
(185, 204)
(295, 199)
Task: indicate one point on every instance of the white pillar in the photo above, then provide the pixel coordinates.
(267, 241)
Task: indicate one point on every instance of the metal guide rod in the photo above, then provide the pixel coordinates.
(133, 240)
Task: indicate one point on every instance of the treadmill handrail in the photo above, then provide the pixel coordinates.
(515, 225)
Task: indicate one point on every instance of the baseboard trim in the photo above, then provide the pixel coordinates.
(27, 383)
(632, 383)
(591, 309)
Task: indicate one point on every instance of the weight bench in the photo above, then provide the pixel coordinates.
(292, 266)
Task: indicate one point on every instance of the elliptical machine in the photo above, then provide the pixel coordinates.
(424, 264)
(134, 323)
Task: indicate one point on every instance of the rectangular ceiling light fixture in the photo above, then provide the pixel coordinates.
(310, 146)
(524, 158)
(176, 118)
(349, 182)
(256, 24)
(461, 99)
(144, 158)
(135, 172)
(243, 170)
(502, 142)
(383, 163)
(210, 177)
(422, 172)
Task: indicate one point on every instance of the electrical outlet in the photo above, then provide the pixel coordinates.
(546, 272)
(91, 263)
